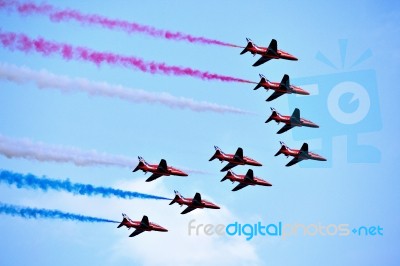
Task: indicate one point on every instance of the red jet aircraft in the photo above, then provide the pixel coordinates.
(279, 88)
(267, 53)
(141, 226)
(245, 180)
(158, 170)
(290, 121)
(195, 203)
(233, 159)
(299, 155)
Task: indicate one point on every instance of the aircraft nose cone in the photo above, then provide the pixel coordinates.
(320, 158)
(216, 206)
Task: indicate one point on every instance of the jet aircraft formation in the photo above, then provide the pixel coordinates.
(238, 158)
(280, 88)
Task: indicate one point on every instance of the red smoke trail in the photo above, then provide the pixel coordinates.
(58, 15)
(21, 42)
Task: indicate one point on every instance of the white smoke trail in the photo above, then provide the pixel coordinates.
(27, 149)
(46, 80)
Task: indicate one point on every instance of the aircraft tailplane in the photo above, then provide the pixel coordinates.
(225, 177)
(249, 45)
(244, 51)
(217, 152)
(122, 223)
(271, 117)
(283, 147)
(139, 164)
(177, 196)
(137, 167)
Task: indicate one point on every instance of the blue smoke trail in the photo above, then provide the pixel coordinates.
(33, 213)
(34, 182)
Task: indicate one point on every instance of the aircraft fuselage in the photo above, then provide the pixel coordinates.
(263, 51)
(241, 179)
(203, 204)
(289, 120)
(231, 159)
(153, 168)
(138, 225)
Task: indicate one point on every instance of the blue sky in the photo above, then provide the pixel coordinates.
(358, 186)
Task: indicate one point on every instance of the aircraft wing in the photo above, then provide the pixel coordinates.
(249, 175)
(136, 232)
(296, 114)
(273, 47)
(240, 186)
(304, 147)
(293, 161)
(162, 166)
(274, 96)
(197, 199)
(261, 61)
(284, 129)
(188, 209)
(153, 177)
(239, 155)
(285, 82)
(228, 166)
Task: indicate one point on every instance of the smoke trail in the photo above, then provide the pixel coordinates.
(34, 213)
(22, 42)
(24, 148)
(46, 80)
(27, 149)
(30, 181)
(58, 15)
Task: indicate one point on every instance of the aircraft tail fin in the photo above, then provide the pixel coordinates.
(263, 79)
(140, 164)
(249, 45)
(124, 220)
(177, 196)
(273, 115)
(217, 152)
(228, 174)
(283, 147)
